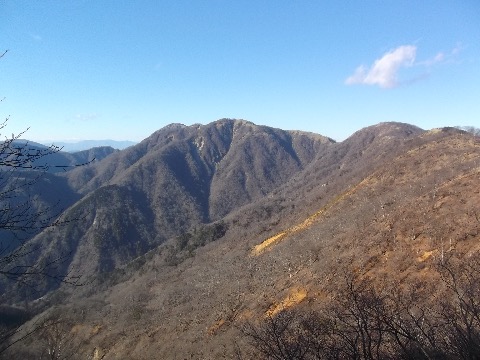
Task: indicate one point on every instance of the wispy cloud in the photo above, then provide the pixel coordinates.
(384, 71)
(434, 60)
(442, 57)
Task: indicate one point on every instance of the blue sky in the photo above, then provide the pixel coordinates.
(117, 69)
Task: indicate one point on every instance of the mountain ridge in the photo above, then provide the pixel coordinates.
(186, 176)
(81, 145)
(258, 220)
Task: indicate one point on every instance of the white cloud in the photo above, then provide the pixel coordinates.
(384, 71)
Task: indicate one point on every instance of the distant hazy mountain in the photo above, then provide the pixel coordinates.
(59, 161)
(88, 144)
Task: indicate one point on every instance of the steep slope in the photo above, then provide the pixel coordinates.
(404, 202)
(176, 180)
(30, 200)
(220, 166)
(101, 231)
(332, 172)
(258, 162)
(198, 174)
(32, 195)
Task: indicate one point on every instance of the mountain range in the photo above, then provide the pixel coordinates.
(75, 146)
(183, 237)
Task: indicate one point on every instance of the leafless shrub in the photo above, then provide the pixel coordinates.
(386, 323)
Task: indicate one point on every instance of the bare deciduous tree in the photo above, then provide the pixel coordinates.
(369, 323)
(22, 215)
(55, 335)
(281, 337)
(22, 166)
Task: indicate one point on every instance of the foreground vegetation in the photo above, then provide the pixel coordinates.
(366, 321)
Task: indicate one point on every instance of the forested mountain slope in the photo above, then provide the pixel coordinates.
(392, 223)
(32, 194)
(178, 178)
(199, 231)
